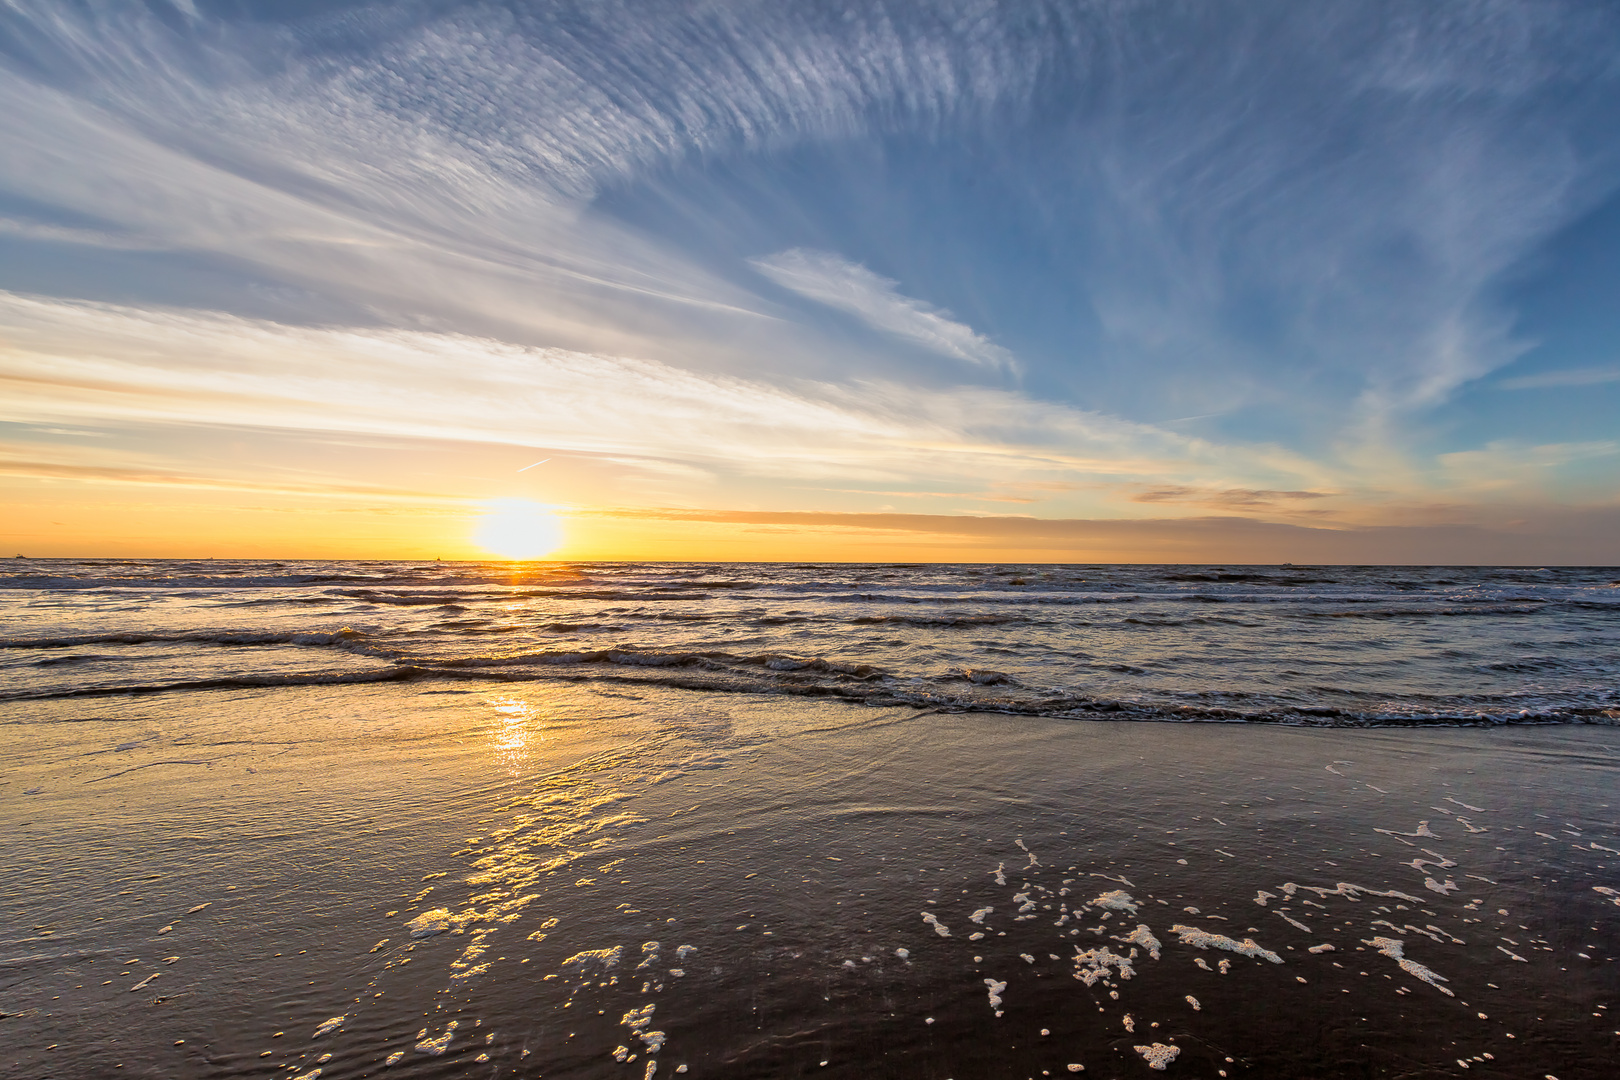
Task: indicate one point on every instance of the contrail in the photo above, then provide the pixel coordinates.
(526, 468)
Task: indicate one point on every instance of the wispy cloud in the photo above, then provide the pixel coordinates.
(79, 362)
(105, 474)
(1230, 498)
(23, 229)
(1547, 380)
(691, 436)
(1508, 467)
(1583, 535)
(1348, 222)
(877, 301)
(1270, 196)
(1288, 218)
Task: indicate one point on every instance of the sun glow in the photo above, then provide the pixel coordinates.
(518, 529)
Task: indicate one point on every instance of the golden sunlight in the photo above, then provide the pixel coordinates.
(518, 529)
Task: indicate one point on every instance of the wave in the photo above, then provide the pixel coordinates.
(1526, 665)
(1445, 611)
(76, 659)
(445, 599)
(229, 682)
(1256, 579)
(208, 637)
(937, 622)
(1194, 620)
(652, 658)
(970, 691)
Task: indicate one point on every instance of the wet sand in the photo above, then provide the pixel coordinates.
(552, 880)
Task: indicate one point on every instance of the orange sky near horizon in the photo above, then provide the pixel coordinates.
(75, 519)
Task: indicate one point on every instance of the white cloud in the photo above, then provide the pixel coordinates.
(41, 232)
(1261, 153)
(693, 438)
(1517, 468)
(93, 363)
(876, 301)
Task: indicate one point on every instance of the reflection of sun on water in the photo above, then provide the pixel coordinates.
(518, 529)
(516, 719)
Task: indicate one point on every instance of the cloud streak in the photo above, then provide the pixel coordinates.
(104, 474)
(1371, 172)
(1547, 380)
(876, 301)
(1573, 537)
(88, 363)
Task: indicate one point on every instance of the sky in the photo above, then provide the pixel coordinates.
(1125, 280)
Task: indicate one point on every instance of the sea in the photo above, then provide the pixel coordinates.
(440, 819)
(1320, 645)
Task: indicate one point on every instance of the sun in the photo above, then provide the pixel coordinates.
(518, 529)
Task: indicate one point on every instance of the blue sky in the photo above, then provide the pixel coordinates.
(1344, 267)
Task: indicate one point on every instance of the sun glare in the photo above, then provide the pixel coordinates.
(518, 529)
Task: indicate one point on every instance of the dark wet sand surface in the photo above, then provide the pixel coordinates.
(791, 886)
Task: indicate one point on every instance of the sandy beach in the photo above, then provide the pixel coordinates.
(578, 881)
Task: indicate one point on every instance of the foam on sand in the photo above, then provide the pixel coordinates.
(429, 923)
(1349, 892)
(1144, 937)
(1422, 830)
(1092, 966)
(1394, 948)
(1202, 939)
(639, 1021)
(594, 960)
(995, 988)
(1117, 900)
(436, 1047)
(1158, 1055)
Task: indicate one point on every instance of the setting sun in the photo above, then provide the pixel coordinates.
(518, 529)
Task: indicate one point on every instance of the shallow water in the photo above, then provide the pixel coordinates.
(782, 853)
(438, 875)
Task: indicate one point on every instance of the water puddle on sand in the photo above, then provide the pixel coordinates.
(780, 887)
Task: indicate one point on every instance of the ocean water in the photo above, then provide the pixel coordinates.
(473, 820)
(1324, 645)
